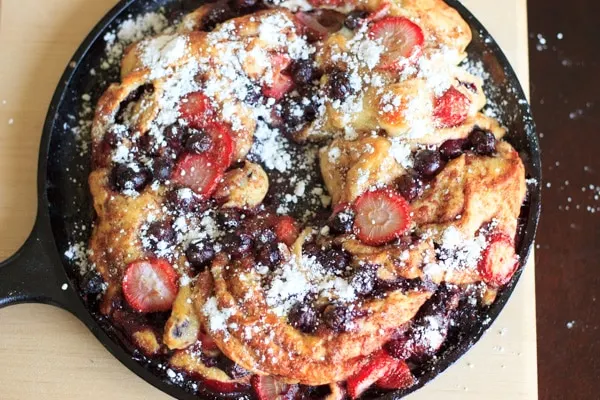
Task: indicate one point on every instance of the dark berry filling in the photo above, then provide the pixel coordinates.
(428, 163)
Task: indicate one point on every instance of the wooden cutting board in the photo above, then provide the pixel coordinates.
(45, 353)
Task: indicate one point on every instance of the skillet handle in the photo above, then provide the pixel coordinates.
(32, 276)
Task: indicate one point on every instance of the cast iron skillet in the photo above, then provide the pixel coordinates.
(38, 271)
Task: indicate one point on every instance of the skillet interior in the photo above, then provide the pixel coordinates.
(64, 169)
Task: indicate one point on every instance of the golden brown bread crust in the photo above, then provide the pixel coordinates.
(279, 349)
(471, 194)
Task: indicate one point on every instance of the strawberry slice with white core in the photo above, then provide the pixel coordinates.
(402, 40)
(269, 388)
(199, 172)
(498, 262)
(280, 83)
(380, 217)
(197, 110)
(397, 377)
(451, 108)
(377, 368)
(150, 285)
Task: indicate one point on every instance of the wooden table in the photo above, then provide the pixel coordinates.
(566, 101)
(46, 353)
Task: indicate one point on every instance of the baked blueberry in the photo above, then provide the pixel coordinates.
(303, 317)
(452, 148)
(428, 163)
(409, 186)
(482, 142)
(355, 18)
(132, 176)
(200, 254)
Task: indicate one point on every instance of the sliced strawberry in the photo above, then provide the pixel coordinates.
(402, 40)
(150, 285)
(286, 230)
(197, 110)
(225, 386)
(199, 172)
(498, 262)
(269, 388)
(380, 216)
(451, 108)
(281, 83)
(380, 12)
(378, 367)
(397, 377)
(316, 25)
(221, 149)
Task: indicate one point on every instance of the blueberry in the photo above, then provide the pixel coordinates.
(238, 245)
(303, 317)
(409, 186)
(428, 163)
(229, 218)
(232, 369)
(130, 177)
(161, 231)
(217, 14)
(337, 318)
(339, 85)
(266, 236)
(363, 280)
(303, 72)
(334, 259)
(295, 111)
(355, 19)
(162, 168)
(269, 255)
(185, 200)
(200, 254)
(482, 142)
(342, 222)
(198, 143)
(92, 284)
(242, 4)
(452, 148)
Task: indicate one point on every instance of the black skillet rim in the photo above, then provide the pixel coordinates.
(445, 360)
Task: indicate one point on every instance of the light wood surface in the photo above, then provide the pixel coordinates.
(45, 353)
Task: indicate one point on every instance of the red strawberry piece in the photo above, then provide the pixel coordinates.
(269, 388)
(222, 144)
(286, 230)
(380, 12)
(376, 368)
(197, 110)
(451, 108)
(338, 208)
(207, 342)
(199, 172)
(150, 285)
(402, 40)
(316, 25)
(498, 262)
(380, 217)
(281, 83)
(397, 377)
(225, 386)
